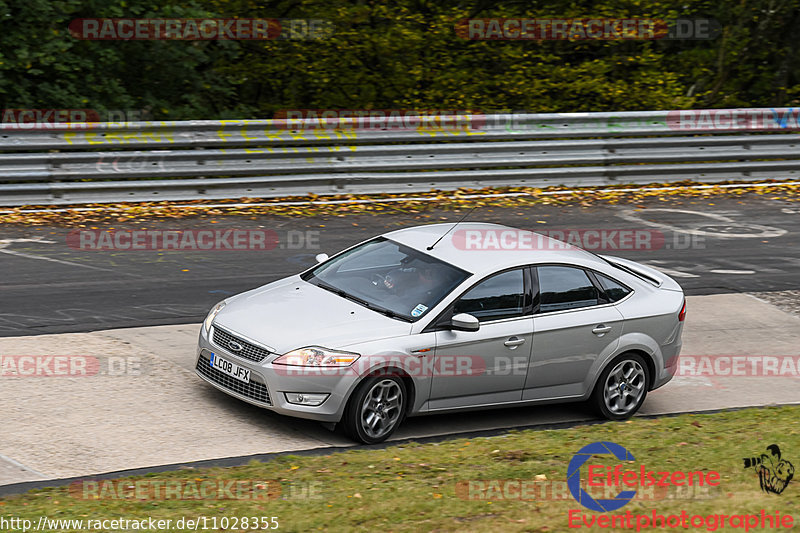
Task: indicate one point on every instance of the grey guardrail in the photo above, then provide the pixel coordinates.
(189, 160)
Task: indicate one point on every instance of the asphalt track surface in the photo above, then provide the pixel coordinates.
(721, 245)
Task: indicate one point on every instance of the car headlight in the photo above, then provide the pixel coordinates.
(316, 356)
(212, 315)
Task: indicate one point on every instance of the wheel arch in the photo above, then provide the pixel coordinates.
(648, 359)
(393, 370)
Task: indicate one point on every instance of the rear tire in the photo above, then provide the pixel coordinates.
(622, 387)
(375, 410)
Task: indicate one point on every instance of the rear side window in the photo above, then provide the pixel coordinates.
(562, 287)
(615, 290)
(500, 296)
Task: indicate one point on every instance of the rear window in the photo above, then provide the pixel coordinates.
(562, 287)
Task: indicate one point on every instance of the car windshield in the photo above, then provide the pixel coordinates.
(388, 277)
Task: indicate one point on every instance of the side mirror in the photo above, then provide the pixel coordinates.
(321, 257)
(464, 322)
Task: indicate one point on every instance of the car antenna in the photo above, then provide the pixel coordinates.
(451, 229)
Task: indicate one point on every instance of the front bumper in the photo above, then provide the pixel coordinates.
(268, 384)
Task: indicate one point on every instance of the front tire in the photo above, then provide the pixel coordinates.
(375, 409)
(622, 387)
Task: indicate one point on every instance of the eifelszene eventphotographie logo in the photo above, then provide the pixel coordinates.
(624, 476)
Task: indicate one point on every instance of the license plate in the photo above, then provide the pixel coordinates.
(230, 368)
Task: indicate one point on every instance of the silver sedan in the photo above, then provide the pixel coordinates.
(444, 318)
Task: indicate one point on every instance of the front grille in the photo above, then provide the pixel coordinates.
(248, 351)
(254, 390)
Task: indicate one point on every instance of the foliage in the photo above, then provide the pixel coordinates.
(399, 55)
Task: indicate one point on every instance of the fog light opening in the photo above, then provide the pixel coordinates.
(305, 398)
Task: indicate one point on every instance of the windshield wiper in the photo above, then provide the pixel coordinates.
(373, 307)
(340, 292)
(389, 313)
(343, 294)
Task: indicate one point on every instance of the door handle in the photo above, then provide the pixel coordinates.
(601, 330)
(513, 342)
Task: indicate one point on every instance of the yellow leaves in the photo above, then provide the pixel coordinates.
(409, 203)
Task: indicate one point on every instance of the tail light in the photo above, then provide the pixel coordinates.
(682, 314)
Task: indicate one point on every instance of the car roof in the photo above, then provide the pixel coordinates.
(483, 252)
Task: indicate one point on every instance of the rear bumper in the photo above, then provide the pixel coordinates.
(670, 354)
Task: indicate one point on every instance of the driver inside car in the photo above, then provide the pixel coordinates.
(412, 285)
